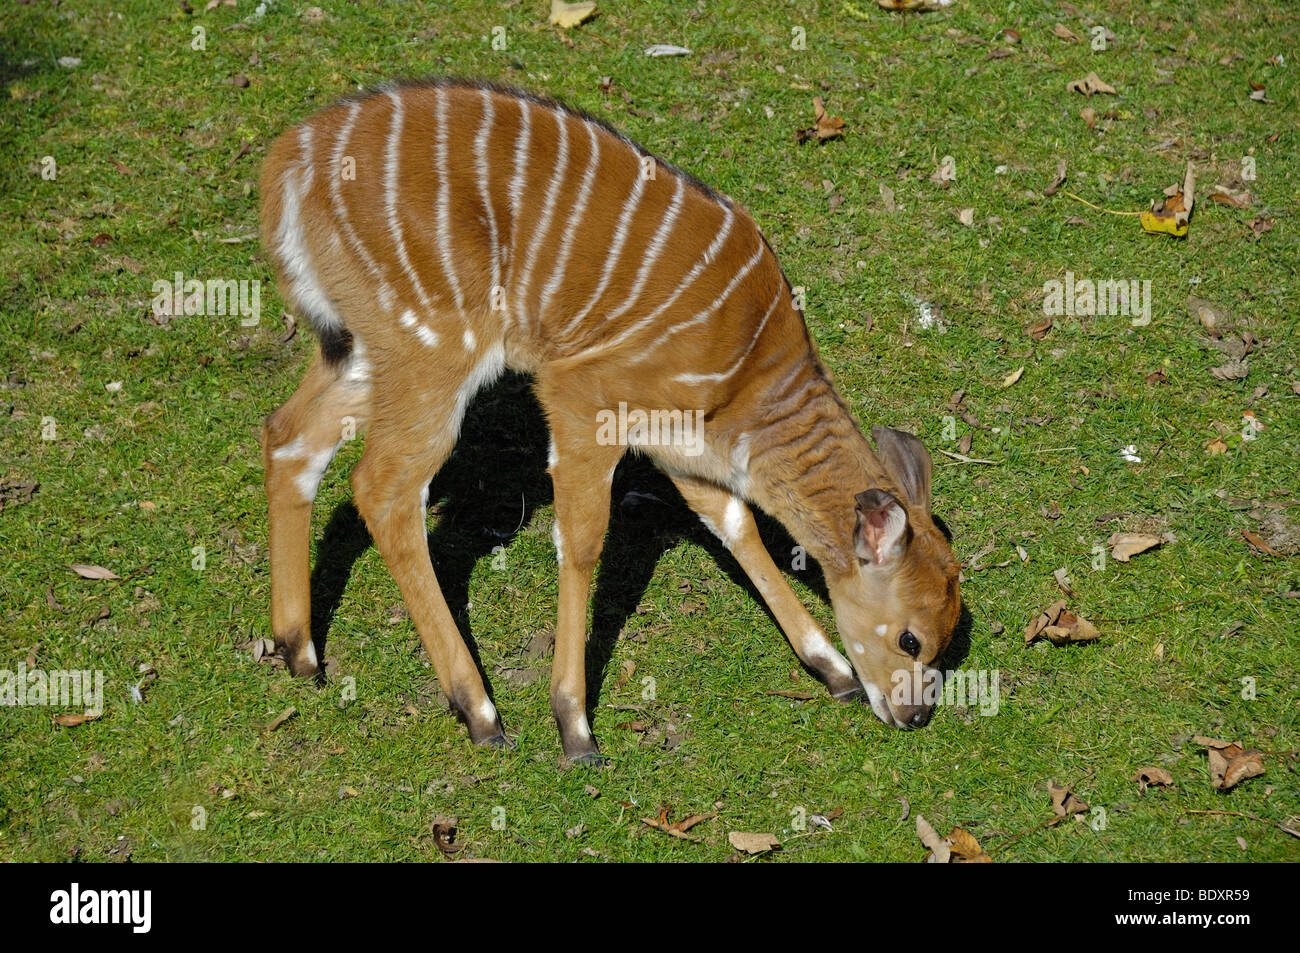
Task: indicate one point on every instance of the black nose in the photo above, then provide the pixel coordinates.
(919, 717)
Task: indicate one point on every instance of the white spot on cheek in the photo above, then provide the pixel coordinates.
(881, 629)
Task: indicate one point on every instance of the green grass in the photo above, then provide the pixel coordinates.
(147, 135)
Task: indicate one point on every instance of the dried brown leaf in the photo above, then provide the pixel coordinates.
(753, 843)
(1152, 777)
(93, 572)
(1064, 801)
(1089, 85)
(1124, 546)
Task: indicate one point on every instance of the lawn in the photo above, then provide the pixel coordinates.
(130, 441)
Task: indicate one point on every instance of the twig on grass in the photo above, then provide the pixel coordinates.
(962, 458)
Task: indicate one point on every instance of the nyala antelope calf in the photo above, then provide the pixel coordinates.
(435, 234)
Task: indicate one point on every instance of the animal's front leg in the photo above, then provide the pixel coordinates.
(582, 472)
(731, 521)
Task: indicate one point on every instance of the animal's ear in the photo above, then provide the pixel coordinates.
(908, 463)
(882, 533)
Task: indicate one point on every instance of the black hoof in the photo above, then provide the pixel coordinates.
(302, 668)
(498, 741)
(592, 759)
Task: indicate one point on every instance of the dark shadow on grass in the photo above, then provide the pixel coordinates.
(490, 490)
(342, 544)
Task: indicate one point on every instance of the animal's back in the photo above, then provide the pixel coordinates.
(471, 216)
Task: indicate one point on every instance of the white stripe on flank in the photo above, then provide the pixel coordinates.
(516, 187)
(390, 198)
(733, 520)
(304, 284)
(295, 450)
(444, 201)
(653, 250)
(557, 538)
(309, 477)
(341, 141)
(575, 219)
(723, 375)
(711, 309)
(480, 153)
(548, 212)
(728, 220)
(468, 339)
(487, 370)
(429, 338)
(407, 318)
(630, 205)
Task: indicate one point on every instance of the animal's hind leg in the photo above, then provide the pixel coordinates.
(298, 442)
(412, 435)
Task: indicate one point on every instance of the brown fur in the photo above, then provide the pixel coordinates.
(776, 433)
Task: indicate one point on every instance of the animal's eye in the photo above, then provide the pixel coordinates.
(909, 644)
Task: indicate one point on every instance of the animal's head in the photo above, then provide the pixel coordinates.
(897, 608)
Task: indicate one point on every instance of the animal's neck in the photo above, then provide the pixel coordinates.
(807, 461)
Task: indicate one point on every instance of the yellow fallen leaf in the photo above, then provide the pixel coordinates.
(1013, 377)
(1161, 223)
(1171, 217)
(569, 15)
